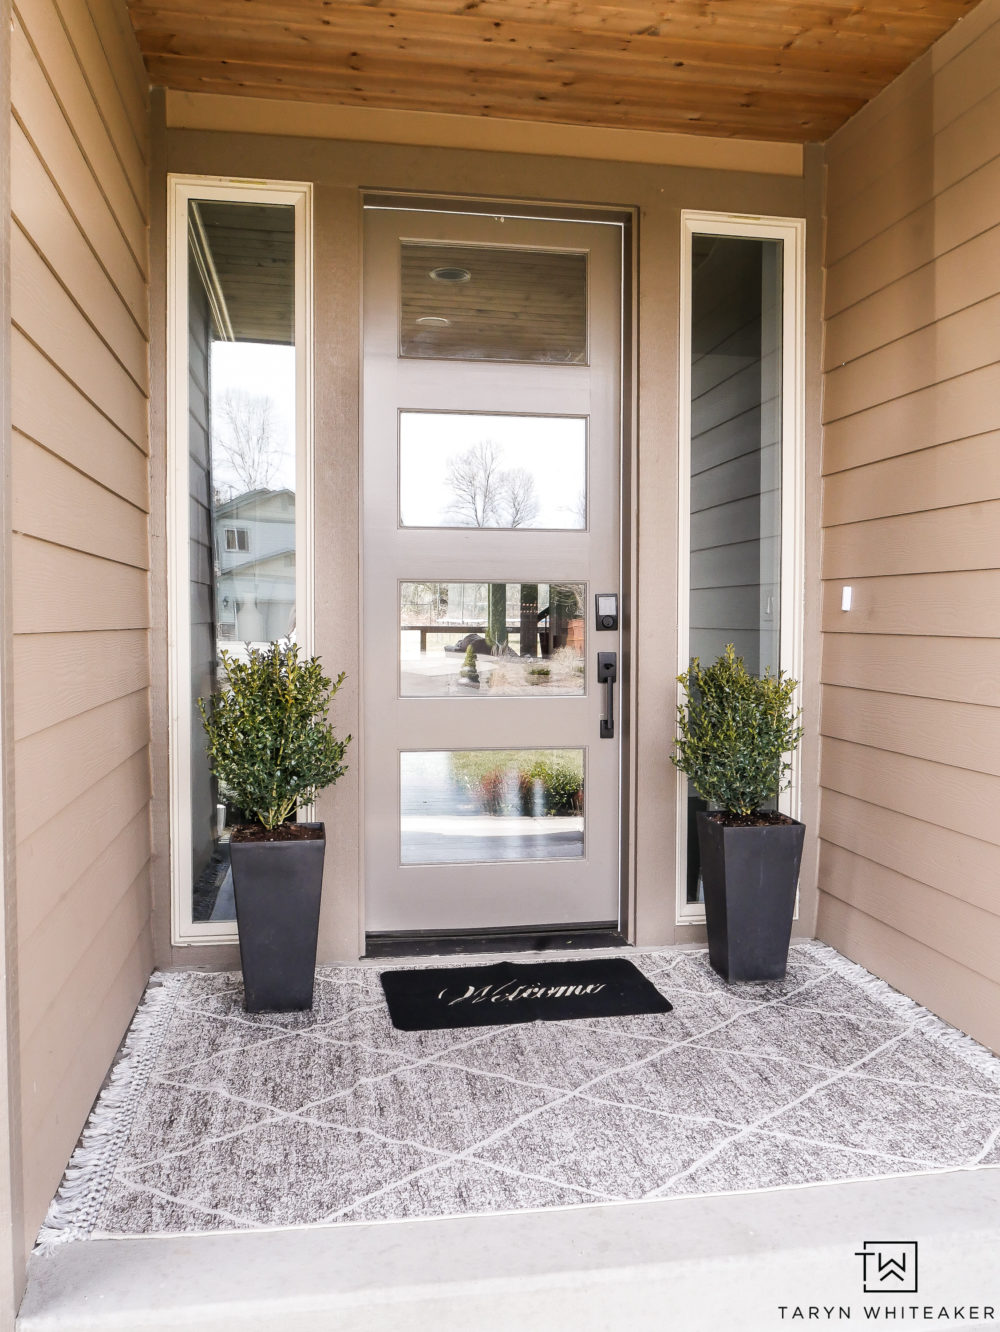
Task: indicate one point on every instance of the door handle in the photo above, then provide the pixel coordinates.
(607, 674)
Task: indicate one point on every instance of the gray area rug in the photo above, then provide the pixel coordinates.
(215, 1119)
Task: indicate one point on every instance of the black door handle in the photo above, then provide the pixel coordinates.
(607, 674)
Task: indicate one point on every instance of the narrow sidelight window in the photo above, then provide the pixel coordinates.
(738, 390)
(237, 443)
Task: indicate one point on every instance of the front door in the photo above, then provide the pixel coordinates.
(492, 481)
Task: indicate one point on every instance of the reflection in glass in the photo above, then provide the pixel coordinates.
(461, 469)
(241, 392)
(490, 640)
(475, 806)
(735, 460)
(481, 303)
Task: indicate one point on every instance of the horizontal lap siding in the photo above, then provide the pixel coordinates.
(80, 552)
(910, 858)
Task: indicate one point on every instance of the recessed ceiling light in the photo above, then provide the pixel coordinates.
(449, 274)
(434, 321)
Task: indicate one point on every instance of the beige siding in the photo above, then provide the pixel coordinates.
(80, 554)
(910, 852)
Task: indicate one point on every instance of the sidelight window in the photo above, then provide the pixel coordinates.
(741, 442)
(237, 424)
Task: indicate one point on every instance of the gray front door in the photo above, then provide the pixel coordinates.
(492, 468)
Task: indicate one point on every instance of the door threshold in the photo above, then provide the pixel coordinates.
(540, 939)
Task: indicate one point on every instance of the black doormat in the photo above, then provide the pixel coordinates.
(505, 992)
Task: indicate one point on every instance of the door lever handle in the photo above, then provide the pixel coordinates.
(607, 674)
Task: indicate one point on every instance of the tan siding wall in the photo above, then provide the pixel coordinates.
(910, 852)
(80, 543)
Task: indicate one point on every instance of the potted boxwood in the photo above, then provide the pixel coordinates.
(737, 732)
(273, 749)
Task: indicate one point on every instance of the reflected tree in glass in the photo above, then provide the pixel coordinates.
(487, 494)
(464, 469)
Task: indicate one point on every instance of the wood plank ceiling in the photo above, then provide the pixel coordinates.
(764, 69)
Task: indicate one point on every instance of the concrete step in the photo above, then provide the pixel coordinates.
(693, 1264)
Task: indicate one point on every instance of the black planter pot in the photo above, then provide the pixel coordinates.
(750, 876)
(277, 887)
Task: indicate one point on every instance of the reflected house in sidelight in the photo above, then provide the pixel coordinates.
(254, 538)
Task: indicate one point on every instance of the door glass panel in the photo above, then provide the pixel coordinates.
(477, 806)
(483, 640)
(241, 444)
(481, 303)
(463, 469)
(735, 461)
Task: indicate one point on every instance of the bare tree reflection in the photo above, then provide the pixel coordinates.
(485, 494)
(518, 496)
(244, 425)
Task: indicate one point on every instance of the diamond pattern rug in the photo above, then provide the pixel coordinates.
(216, 1119)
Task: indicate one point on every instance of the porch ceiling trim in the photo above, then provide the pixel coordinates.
(242, 115)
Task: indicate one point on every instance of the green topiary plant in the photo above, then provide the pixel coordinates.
(269, 741)
(469, 670)
(735, 730)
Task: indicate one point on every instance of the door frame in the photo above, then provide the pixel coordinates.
(625, 219)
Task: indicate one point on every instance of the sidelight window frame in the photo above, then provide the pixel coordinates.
(791, 231)
(181, 190)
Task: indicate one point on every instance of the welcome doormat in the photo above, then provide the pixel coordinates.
(430, 999)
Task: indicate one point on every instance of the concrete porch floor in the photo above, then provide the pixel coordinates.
(762, 1088)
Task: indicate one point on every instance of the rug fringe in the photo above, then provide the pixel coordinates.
(74, 1210)
(927, 1023)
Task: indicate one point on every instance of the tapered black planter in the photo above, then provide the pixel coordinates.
(750, 876)
(277, 887)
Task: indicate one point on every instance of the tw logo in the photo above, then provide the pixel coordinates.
(889, 1266)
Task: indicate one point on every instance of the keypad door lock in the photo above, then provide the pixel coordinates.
(606, 610)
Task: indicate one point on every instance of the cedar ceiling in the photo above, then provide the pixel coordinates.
(760, 69)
